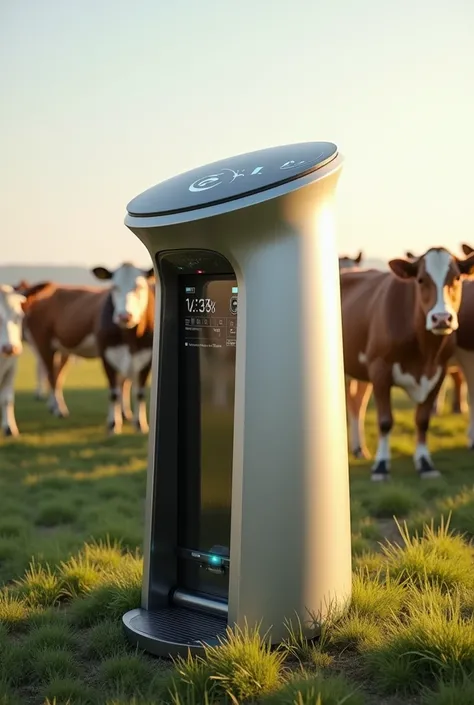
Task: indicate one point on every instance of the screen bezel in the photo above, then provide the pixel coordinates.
(162, 521)
(190, 575)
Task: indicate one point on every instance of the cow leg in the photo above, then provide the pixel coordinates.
(140, 417)
(41, 391)
(7, 400)
(465, 358)
(357, 396)
(56, 374)
(55, 367)
(381, 378)
(114, 416)
(440, 399)
(422, 459)
(459, 405)
(125, 399)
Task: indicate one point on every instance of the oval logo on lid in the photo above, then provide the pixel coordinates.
(232, 178)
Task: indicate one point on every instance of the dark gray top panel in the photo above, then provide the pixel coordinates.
(232, 178)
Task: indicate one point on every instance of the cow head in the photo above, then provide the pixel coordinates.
(22, 284)
(437, 275)
(346, 262)
(129, 292)
(11, 321)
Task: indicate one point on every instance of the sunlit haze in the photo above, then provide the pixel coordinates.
(104, 98)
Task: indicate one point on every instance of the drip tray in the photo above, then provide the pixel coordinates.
(173, 631)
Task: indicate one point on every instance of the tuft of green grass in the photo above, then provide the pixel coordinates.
(126, 591)
(359, 632)
(48, 617)
(90, 609)
(241, 668)
(126, 700)
(15, 665)
(296, 645)
(8, 549)
(192, 682)
(14, 611)
(376, 595)
(49, 664)
(461, 507)
(115, 528)
(104, 640)
(461, 693)
(128, 674)
(7, 696)
(320, 659)
(394, 500)
(4, 640)
(69, 691)
(109, 600)
(360, 545)
(438, 556)
(77, 576)
(39, 587)
(55, 513)
(434, 644)
(50, 636)
(244, 665)
(369, 561)
(13, 526)
(369, 530)
(104, 555)
(316, 690)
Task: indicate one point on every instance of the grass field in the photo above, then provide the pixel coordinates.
(71, 522)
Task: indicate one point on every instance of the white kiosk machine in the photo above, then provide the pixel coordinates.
(247, 516)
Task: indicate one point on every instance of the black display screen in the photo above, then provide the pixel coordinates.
(207, 347)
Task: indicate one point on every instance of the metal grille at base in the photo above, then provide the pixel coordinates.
(180, 625)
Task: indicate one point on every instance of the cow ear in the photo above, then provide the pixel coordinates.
(102, 273)
(29, 294)
(33, 290)
(467, 249)
(358, 259)
(466, 266)
(403, 268)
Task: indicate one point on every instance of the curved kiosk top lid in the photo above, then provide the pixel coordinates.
(231, 179)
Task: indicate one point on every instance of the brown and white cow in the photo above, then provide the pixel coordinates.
(12, 304)
(397, 328)
(124, 334)
(459, 402)
(346, 262)
(464, 353)
(61, 322)
(41, 376)
(357, 392)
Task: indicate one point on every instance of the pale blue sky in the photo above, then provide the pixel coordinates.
(101, 99)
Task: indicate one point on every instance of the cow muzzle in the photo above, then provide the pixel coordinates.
(125, 320)
(443, 323)
(8, 350)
